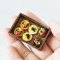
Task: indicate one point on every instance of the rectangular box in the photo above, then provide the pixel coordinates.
(30, 31)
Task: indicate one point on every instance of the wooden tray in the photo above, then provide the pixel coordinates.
(36, 39)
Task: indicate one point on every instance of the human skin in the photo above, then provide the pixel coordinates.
(50, 51)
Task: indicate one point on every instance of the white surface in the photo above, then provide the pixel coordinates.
(47, 10)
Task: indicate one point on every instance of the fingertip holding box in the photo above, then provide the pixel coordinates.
(30, 31)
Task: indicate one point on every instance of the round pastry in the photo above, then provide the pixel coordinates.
(42, 31)
(18, 31)
(27, 37)
(33, 29)
(25, 24)
(37, 42)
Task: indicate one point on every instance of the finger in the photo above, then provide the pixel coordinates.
(55, 28)
(45, 52)
(24, 52)
(9, 39)
(55, 55)
(13, 54)
(54, 40)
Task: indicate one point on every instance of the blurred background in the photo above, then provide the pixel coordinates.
(46, 10)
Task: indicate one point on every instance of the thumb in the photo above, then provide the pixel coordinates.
(55, 28)
(55, 55)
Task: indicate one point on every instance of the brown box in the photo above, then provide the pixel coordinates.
(31, 31)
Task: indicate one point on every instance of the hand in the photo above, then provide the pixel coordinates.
(50, 51)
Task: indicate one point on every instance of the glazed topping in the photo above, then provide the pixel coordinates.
(18, 31)
(42, 31)
(33, 29)
(37, 43)
(27, 37)
(25, 24)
